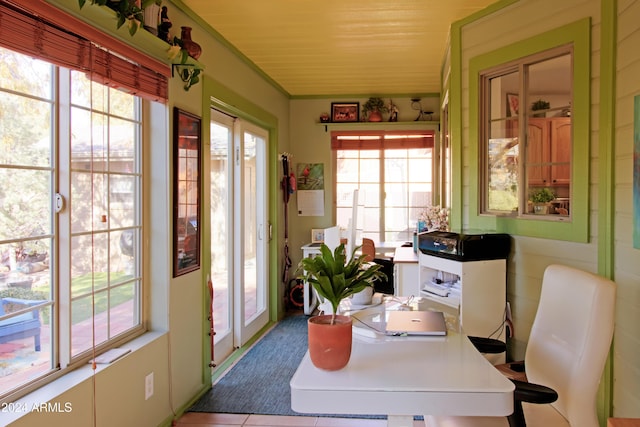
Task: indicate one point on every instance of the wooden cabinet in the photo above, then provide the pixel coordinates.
(549, 151)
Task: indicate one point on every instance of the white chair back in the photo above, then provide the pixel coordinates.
(570, 340)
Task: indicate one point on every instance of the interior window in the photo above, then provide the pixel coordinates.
(528, 136)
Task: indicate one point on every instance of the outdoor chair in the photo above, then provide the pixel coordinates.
(24, 325)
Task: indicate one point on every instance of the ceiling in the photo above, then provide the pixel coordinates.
(341, 47)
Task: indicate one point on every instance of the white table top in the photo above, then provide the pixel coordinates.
(405, 255)
(404, 376)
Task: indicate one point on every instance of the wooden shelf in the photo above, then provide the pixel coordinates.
(105, 19)
(386, 125)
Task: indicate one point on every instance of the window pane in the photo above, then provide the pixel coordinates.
(122, 197)
(122, 104)
(34, 76)
(549, 132)
(369, 170)
(395, 169)
(393, 201)
(124, 311)
(104, 215)
(124, 253)
(122, 139)
(541, 116)
(503, 148)
(26, 227)
(80, 89)
(24, 143)
(88, 140)
(347, 170)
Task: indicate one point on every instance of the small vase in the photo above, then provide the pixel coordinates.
(329, 345)
(192, 47)
(541, 208)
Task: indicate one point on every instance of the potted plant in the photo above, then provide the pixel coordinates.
(127, 11)
(373, 109)
(334, 278)
(540, 105)
(540, 197)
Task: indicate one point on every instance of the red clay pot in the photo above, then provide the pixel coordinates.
(329, 345)
(375, 116)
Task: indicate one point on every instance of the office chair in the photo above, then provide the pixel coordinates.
(566, 353)
(369, 250)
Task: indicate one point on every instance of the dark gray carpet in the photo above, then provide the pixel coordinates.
(259, 382)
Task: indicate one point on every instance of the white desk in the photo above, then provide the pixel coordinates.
(402, 377)
(310, 300)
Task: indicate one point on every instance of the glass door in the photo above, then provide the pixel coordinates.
(251, 233)
(238, 207)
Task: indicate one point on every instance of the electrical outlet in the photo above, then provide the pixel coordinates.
(148, 386)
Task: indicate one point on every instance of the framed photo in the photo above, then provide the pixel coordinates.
(186, 192)
(317, 235)
(345, 112)
(513, 104)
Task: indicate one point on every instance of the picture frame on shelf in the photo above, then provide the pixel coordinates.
(345, 112)
(317, 235)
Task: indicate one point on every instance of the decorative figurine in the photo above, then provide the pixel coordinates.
(165, 24)
(393, 111)
(152, 17)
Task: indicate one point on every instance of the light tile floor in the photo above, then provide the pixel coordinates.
(201, 419)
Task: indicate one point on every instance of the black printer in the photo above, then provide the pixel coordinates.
(465, 247)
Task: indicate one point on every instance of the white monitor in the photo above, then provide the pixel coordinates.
(332, 237)
(356, 224)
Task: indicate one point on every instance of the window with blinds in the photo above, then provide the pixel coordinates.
(71, 180)
(46, 39)
(394, 172)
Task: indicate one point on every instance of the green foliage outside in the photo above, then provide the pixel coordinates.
(503, 200)
(83, 285)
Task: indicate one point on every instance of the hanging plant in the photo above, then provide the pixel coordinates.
(189, 76)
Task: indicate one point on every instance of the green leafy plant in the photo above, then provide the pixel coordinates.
(334, 278)
(127, 11)
(540, 105)
(189, 75)
(374, 104)
(541, 195)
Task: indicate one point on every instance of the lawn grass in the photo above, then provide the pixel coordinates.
(102, 299)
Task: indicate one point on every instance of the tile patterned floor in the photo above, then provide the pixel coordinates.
(200, 419)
